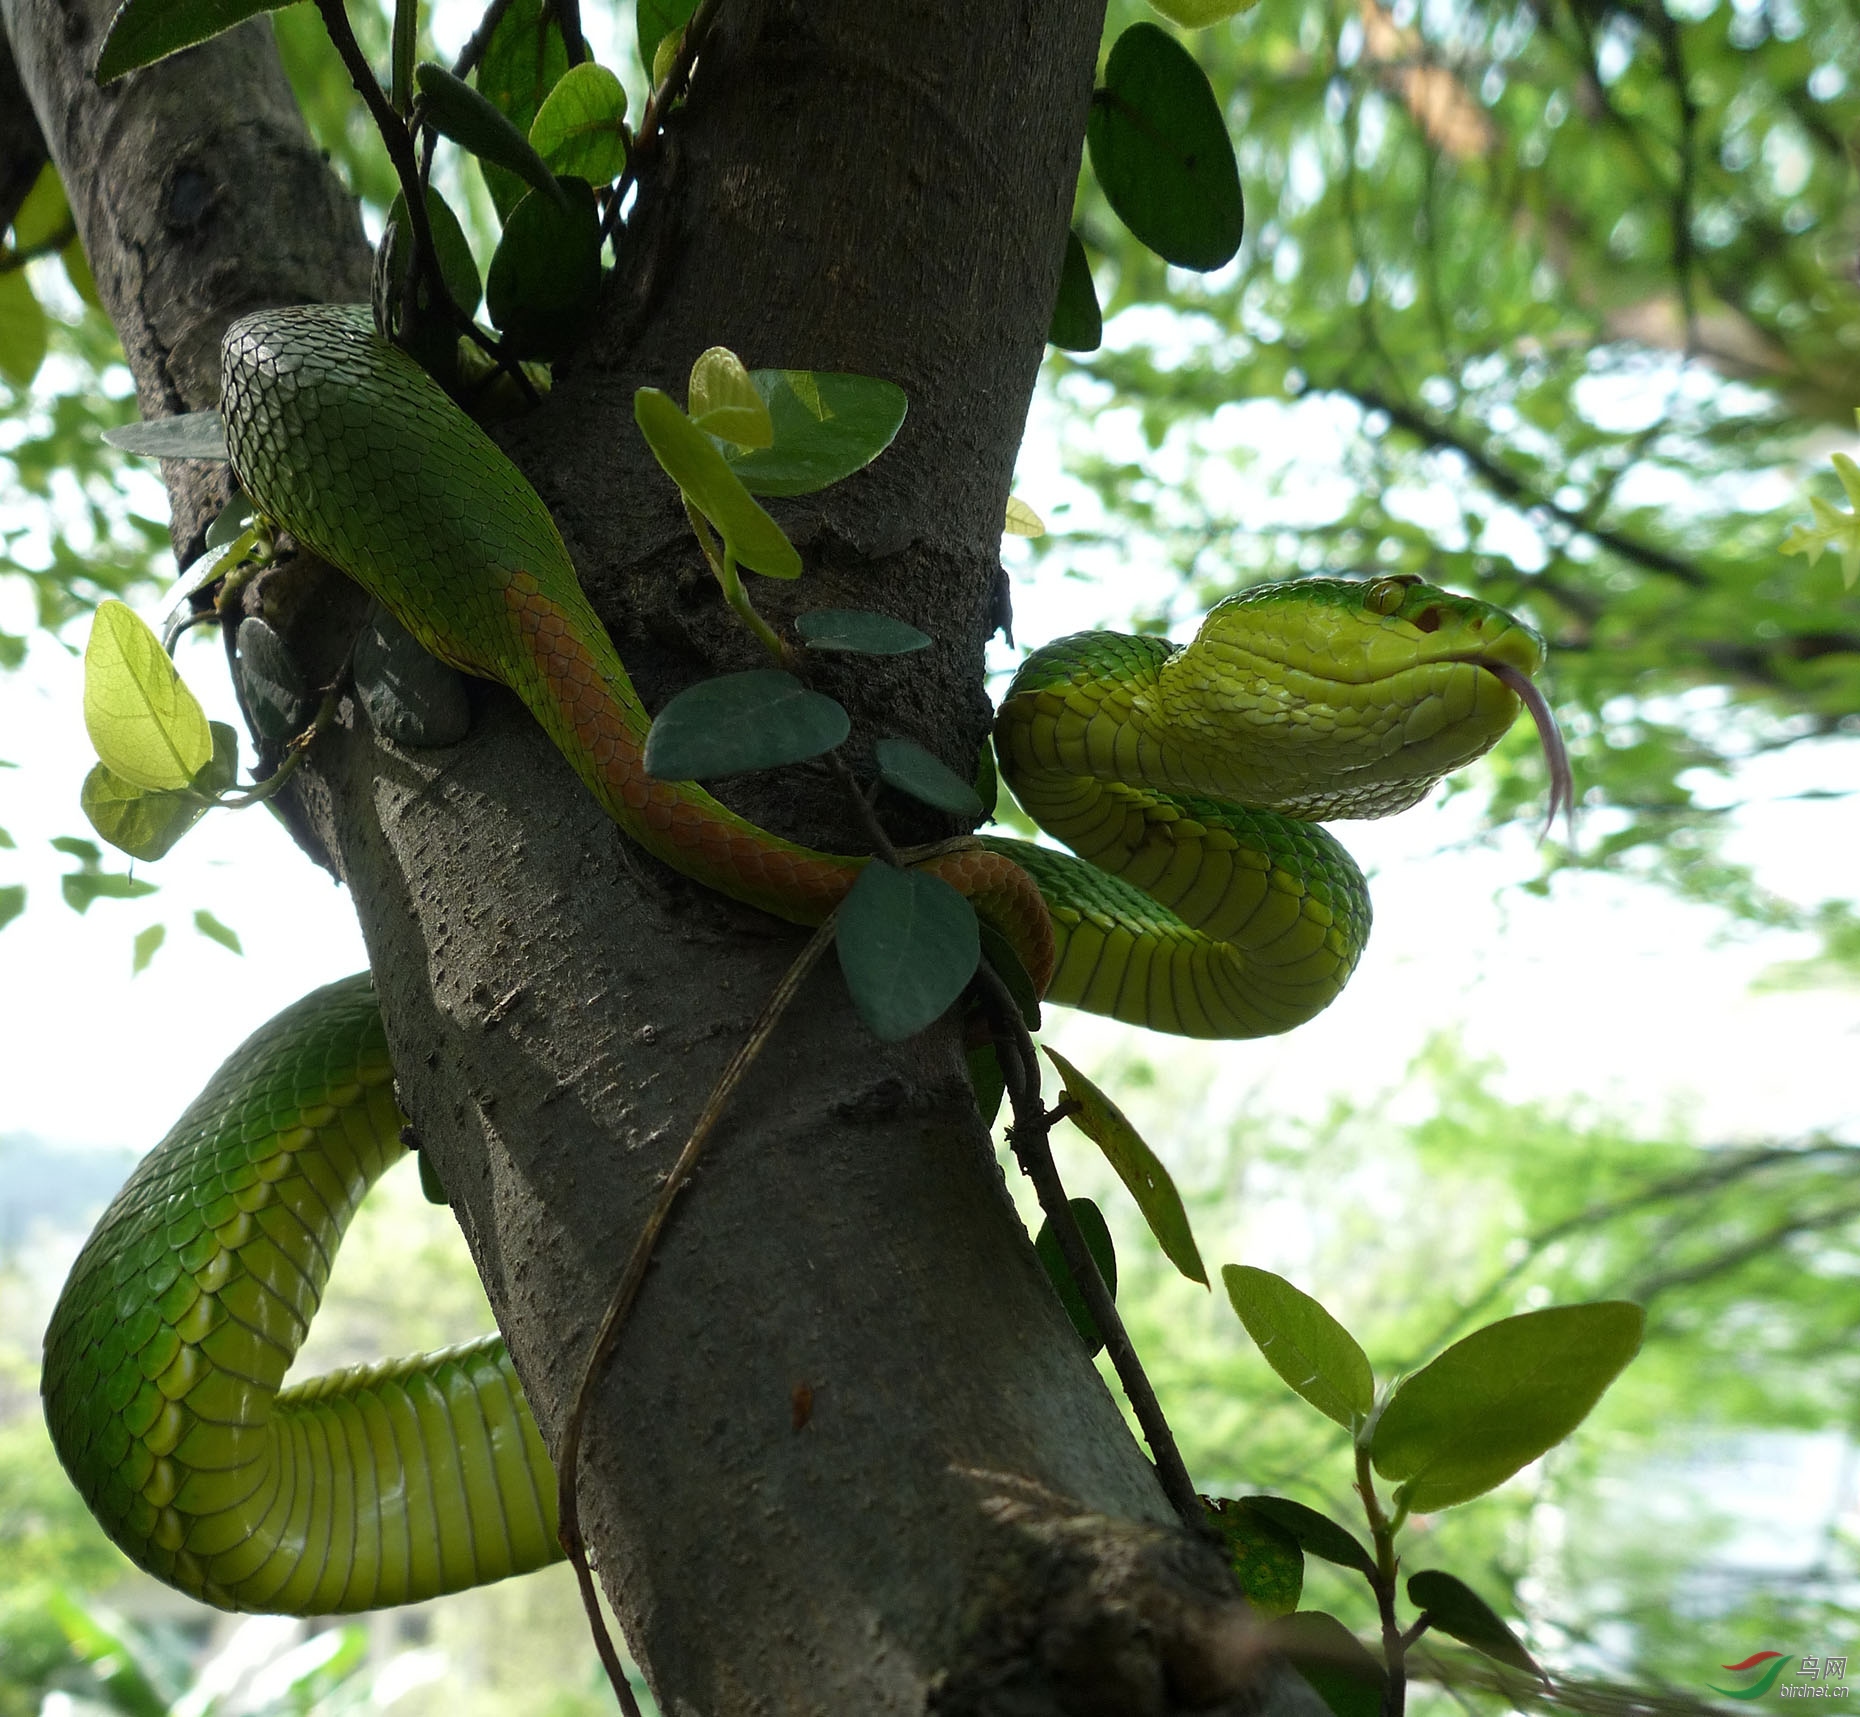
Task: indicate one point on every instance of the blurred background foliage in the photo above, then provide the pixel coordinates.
(1550, 300)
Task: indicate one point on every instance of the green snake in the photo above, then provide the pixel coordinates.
(1212, 904)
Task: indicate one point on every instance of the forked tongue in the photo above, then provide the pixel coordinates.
(1556, 753)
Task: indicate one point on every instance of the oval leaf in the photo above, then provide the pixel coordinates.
(581, 126)
(147, 825)
(1101, 1121)
(737, 722)
(856, 630)
(1333, 1660)
(192, 435)
(523, 61)
(231, 522)
(724, 401)
(545, 275)
(911, 769)
(146, 725)
(457, 265)
(1159, 148)
(1265, 1558)
(1097, 1237)
(1456, 1609)
(1000, 953)
(473, 121)
(1022, 520)
(1078, 323)
(1315, 1533)
(908, 946)
(1199, 14)
(826, 426)
(984, 1076)
(1303, 1343)
(691, 459)
(144, 31)
(1497, 1400)
(656, 19)
(22, 329)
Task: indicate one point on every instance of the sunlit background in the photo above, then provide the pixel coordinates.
(1632, 1075)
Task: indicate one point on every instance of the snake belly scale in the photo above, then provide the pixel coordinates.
(1212, 904)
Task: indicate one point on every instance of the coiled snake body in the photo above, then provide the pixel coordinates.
(1212, 905)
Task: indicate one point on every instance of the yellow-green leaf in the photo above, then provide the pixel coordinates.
(1101, 1121)
(725, 403)
(1022, 520)
(148, 728)
(1199, 14)
(692, 461)
(580, 129)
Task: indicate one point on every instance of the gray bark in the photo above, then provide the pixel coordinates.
(963, 1522)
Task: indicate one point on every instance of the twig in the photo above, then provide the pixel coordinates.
(568, 1514)
(658, 103)
(1033, 1150)
(473, 51)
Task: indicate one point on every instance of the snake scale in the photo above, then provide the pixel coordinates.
(1212, 904)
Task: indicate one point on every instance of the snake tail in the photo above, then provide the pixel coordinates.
(165, 1357)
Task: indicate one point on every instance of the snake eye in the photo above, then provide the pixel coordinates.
(1385, 595)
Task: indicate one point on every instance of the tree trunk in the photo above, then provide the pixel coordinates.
(963, 1522)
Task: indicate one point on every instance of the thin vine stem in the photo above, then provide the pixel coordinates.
(1030, 1137)
(568, 1458)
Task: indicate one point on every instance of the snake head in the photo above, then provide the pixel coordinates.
(1349, 698)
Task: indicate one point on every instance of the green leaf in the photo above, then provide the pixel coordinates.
(860, 632)
(22, 329)
(999, 952)
(474, 122)
(1832, 528)
(580, 128)
(1303, 1343)
(545, 275)
(146, 942)
(230, 522)
(1078, 323)
(146, 725)
(13, 903)
(738, 722)
(81, 887)
(987, 778)
(6, 840)
(1316, 1534)
(1199, 14)
(85, 852)
(1097, 1237)
(112, 1659)
(827, 425)
(145, 824)
(1333, 1660)
(908, 945)
(191, 435)
(404, 44)
(44, 213)
(655, 19)
(724, 402)
(1265, 1558)
(524, 60)
(214, 931)
(984, 1075)
(1101, 1121)
(692, 460)
(144, 31)
(1159, 148)
(457, 266)
(911, 769)
(1495, 1401)
(1454, 1608)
